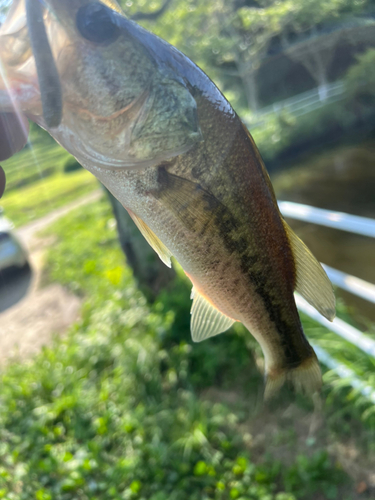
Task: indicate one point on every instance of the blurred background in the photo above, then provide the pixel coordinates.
(103, 394)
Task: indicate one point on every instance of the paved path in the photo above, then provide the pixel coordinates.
(27, 233)
(31, 315)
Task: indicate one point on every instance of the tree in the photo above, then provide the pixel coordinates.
(230, 39)
(149, 271)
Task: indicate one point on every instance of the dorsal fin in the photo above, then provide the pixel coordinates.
(311, 280)
(206, 320)
(151, 238)
(112, 4)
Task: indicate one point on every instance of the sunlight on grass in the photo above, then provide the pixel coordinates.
(38, 199)
(39, 159)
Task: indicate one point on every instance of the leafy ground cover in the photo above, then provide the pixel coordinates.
(125, 407)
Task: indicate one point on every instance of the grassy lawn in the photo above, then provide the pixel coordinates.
(34, 162)
(36, 182)
(41, 197)
(126, 407)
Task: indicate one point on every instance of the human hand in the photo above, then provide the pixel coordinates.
(14, 130)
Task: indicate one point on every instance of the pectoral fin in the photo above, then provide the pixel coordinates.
(188, 201)
(206, 320)
(151, 238)
(311, 280)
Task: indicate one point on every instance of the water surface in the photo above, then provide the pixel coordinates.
(341, 179)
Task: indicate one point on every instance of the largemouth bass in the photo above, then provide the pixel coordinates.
(153, 128)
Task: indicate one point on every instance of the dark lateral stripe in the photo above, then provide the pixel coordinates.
(197, 207)
(48, 77)
(287, 331)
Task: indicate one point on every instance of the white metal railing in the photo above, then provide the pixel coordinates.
(338, 326)
(337, 220)
(300, 104)
(351, 284)
(345, 373)
(356, 286)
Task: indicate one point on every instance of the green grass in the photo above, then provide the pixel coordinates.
(84, 262)
(41, 197)
(36, 182)
(87, 260)
(115, 409)
(41, 159)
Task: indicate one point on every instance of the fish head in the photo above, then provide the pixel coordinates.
(122, 102)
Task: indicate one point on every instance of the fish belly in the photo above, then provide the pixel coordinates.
(217, 274)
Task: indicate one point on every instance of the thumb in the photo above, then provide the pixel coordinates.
(14, 130)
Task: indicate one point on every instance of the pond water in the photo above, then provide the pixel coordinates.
(341, 179)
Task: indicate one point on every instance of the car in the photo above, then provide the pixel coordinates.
(12, 253)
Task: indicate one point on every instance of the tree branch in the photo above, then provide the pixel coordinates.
(151, 16)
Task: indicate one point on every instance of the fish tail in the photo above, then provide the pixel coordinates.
(305, 378)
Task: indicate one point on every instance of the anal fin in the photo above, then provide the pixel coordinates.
(312, 281)
(151, 238)
(206, 320)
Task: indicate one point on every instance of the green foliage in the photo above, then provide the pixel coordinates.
(41, 197)
(83, 265)
(309, 472)
(281, 131)
(88, 259)
(360, 79)
(111, 410)
(211, 363)
(284, 132)
(108, 414)
(228, 40)
(89, 262)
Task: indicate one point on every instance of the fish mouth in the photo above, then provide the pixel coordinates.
(75, 88)
(31, 81)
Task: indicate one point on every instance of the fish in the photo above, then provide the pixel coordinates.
(156, 131)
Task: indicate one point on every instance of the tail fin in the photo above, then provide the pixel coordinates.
(306, 378)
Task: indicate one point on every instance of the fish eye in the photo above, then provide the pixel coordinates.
(95, 23)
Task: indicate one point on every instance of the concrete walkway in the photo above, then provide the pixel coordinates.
(31, 315)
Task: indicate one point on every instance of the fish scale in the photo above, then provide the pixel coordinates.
(154, 129)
